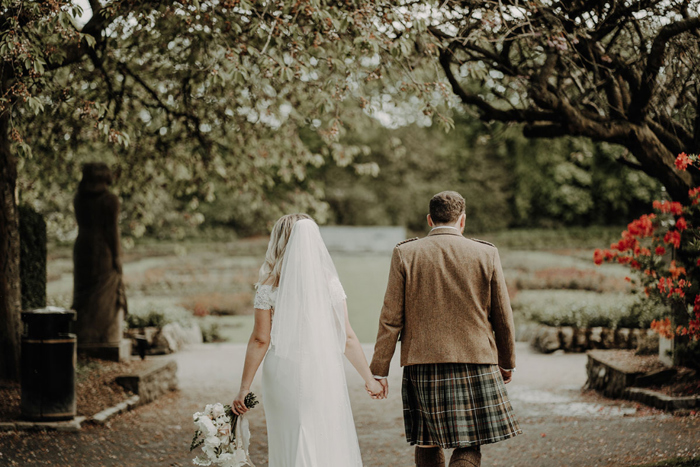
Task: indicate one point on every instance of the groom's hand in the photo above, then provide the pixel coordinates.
(507, 375)
(385, 384)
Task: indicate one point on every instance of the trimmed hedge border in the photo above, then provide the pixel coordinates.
(548, 339)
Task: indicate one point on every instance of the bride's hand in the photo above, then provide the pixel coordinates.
(238, 406)
(375, 389)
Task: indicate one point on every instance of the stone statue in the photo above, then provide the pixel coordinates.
(98, 290)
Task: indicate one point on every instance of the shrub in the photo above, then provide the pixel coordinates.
(211, 332)
(585, 309)
(155, 315)
(32, 262)
(663, 249)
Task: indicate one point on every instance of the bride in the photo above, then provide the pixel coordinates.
(301, 315)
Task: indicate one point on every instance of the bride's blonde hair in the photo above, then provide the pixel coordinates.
(272, 267)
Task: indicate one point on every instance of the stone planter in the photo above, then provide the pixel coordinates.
(606, 377)
(168, 339)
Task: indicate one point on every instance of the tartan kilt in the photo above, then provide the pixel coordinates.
(456, 405)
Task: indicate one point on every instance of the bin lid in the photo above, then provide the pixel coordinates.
(49, 310)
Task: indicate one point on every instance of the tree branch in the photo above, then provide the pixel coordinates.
(488, 111)
(552, 130)
(696, 132)
(655, 60)
(628, 163)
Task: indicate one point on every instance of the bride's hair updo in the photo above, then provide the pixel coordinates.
(272, 267)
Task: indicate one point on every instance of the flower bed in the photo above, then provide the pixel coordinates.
(96, 388)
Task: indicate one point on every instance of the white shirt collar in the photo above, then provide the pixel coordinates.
(444, 227)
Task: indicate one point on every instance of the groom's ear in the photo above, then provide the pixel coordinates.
(430, 221)
(462, 221)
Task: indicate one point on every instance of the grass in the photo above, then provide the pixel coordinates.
(212, 281)
(555, 238)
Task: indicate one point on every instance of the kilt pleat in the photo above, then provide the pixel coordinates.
(456, 405)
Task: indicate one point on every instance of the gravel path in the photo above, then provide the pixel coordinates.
(563, 427)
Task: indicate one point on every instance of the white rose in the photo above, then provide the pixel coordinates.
(206, 425)
(218, 410)
(212, 441)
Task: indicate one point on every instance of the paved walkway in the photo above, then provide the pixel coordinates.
(563, 427)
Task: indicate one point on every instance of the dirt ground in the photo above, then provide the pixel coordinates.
(562, 426)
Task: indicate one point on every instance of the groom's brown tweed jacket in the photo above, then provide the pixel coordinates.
(447, 299)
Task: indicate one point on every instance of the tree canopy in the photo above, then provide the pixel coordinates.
(624, 72)
(176, 95)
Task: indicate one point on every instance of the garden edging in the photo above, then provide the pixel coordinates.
(548, 339)
(146, 385)
(660, 400)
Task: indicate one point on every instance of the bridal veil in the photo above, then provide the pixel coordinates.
(305, 394)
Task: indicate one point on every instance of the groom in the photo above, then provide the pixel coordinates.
(447, 302)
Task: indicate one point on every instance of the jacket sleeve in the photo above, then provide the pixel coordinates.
(502, 316)
(391, 320)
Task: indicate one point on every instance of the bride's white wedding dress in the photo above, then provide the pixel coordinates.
(305, 395)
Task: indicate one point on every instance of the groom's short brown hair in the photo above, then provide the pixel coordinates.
(446, 207)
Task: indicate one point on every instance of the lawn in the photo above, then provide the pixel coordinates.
(212, 282)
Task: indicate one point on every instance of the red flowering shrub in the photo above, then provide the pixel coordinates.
(673, 228)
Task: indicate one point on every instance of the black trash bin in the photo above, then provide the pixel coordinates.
(48, 365)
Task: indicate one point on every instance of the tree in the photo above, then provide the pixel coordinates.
(623, 72)
(179, 96)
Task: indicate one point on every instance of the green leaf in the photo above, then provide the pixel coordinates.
(90, 40)
(35, 105)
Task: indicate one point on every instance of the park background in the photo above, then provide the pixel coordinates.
(558, 122)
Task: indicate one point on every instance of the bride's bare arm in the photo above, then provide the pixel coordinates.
(356, 356)
(257, 347)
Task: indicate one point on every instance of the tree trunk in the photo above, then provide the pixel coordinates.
(10, 293)
(659, 162)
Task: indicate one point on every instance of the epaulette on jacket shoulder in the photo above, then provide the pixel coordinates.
(407, 240)
(484, 242)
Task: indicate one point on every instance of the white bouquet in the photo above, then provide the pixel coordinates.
(225, 436)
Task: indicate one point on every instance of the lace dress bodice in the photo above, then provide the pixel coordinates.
(266, 295)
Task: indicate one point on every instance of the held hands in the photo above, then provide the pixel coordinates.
(507, 375)
(238, 405)
(375, 389)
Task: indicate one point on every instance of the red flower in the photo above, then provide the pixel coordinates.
(660, 251)
(673, 237)
(682, 161)
(598, 256)
(676, 271)
(666, 207)
(676, 208)
(642, 227)
(662, 327)
(624, 259)
(693, 193)
(681, 224)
